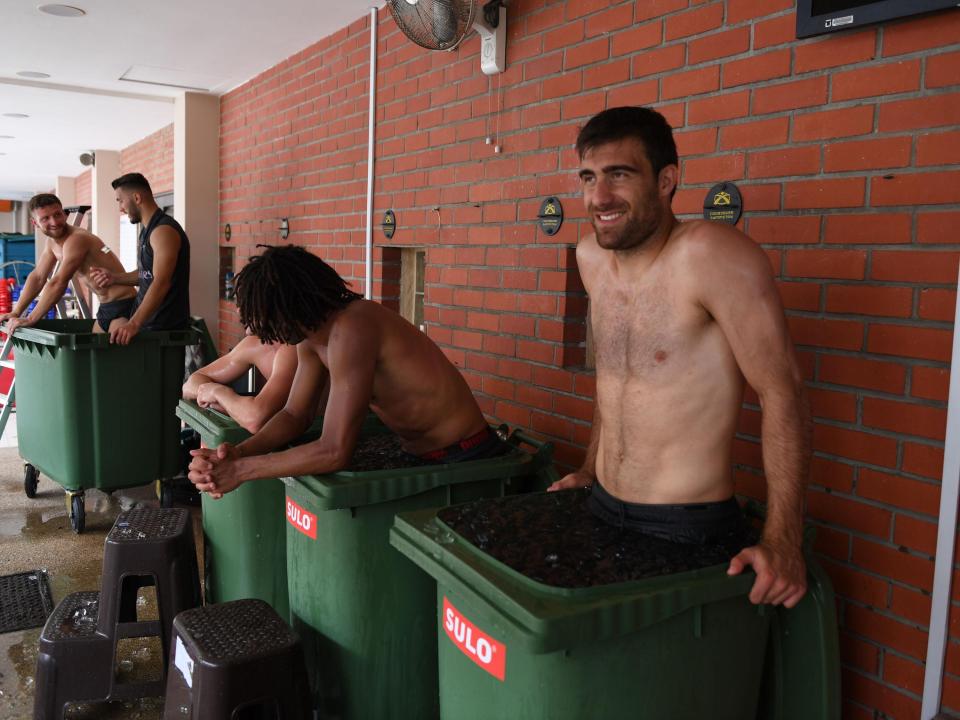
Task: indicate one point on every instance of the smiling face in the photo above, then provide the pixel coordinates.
(52, 220)
(625, 202)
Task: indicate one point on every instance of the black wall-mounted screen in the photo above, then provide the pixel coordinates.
(817, 17)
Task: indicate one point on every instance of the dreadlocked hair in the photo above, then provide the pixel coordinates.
(286, 292)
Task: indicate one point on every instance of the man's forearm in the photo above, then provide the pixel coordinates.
(31, 288)
(313, 458)
(151, 302)
(52, 292)
(192, 385)
(127, 278)
(281, 429)
(786, 457)
(244, 409)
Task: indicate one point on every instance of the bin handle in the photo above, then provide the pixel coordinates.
(525, 439)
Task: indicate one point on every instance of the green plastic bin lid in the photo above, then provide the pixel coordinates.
(543, 618)
(78, 334)
(350, 489)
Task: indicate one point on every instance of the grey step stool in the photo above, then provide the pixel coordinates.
(236, 661)
(77, 656)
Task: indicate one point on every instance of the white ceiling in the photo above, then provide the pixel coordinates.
(213, 45)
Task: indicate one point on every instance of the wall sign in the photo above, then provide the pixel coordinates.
(723, 203)
(389, 224)
(551, 215)
(227, 232)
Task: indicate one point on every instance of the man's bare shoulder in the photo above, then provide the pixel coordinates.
(718, 248)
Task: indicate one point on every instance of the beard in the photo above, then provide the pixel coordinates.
(57, 232)
(634, 231)
(134, 216)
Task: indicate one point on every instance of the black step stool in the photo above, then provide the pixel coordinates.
(77, 659)
(236, 661)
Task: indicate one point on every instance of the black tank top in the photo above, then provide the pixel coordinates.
(174, 310)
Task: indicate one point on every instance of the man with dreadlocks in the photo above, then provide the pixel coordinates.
(371, 358)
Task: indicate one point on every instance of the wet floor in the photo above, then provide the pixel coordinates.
(36, 534)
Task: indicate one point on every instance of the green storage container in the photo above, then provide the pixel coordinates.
(366, 615)
(245, 541)
(95, 415)
(686, 647)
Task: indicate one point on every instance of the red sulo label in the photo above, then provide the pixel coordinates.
(473, 642)
(305, 522)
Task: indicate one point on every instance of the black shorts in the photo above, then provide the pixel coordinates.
(108, 312)
(693, 523)
(485, 444)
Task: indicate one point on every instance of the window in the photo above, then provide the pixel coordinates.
(413, 263)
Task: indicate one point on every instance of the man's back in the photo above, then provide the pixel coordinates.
(417, 391)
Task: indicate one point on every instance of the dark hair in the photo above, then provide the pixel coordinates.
(134, 182)
(640, 123)
(41, 201)
(287, 292)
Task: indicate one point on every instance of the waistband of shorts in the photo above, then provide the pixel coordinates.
(466, 444)
(682, 514)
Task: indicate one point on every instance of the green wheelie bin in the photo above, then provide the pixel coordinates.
(366, 615)
(95, 415)
(685, 646)
(245, 541)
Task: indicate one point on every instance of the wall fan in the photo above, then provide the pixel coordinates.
(443, 24)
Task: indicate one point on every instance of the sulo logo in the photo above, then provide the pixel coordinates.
(305, 522)
(474, 643)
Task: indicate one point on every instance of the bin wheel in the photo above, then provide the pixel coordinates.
(77, 514)
(165, 491)
(31, 477)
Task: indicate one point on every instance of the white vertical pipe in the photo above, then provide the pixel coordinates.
(371, 122)
(946, 534)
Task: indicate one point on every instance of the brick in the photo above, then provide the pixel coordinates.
(943, 70)
(690, 82)
(694, 22)
(874, 229)
(787, 162)
(910, 604)
(923, 33)
(785, 229)
(855, 445)
(886, 79)
(761, 197)
(838, 264)
(696, 142)
(907, 341)
(859, 655)
(776, 31)
(721, 107)
(888, 561)
(790, 96)
(832, 405)
(850, 514)
(826, 333)
(627, 42)
(608, 74)
(867, 154)
(754, 134)
(658, 60)
(711, 169)
(719, 45)
(915, 534)
(938, 305)
(800, 295)
(888, 702)
(915, 266)
(861, 372)
(887, 630)
(616, 18)
(831, 474)
(830, 124)
(766, 66)
(930, 382)
(905, 418)
(835, 193)
(740, 10)
(937, 227)
(638, 93)
(586, 53)
(938, 149)
(923, 460)
(916, 113)
(869, 300)
(832, 543)
(649, 9)
(836, 50)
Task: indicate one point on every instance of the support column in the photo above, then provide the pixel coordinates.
(106, 212)
(196, 193)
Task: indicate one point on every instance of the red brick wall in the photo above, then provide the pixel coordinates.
(153, 157)
(846, 149)
(84, 187)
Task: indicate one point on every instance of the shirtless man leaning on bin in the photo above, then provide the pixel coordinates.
(683, 314)
(210, 385)
(79, 252)
(371, 358)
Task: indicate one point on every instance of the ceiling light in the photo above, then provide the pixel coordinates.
(33, 74)
(62, 10)
(6, 137)
(19, 116)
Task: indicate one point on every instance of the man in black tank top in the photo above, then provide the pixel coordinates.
(163, 264)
